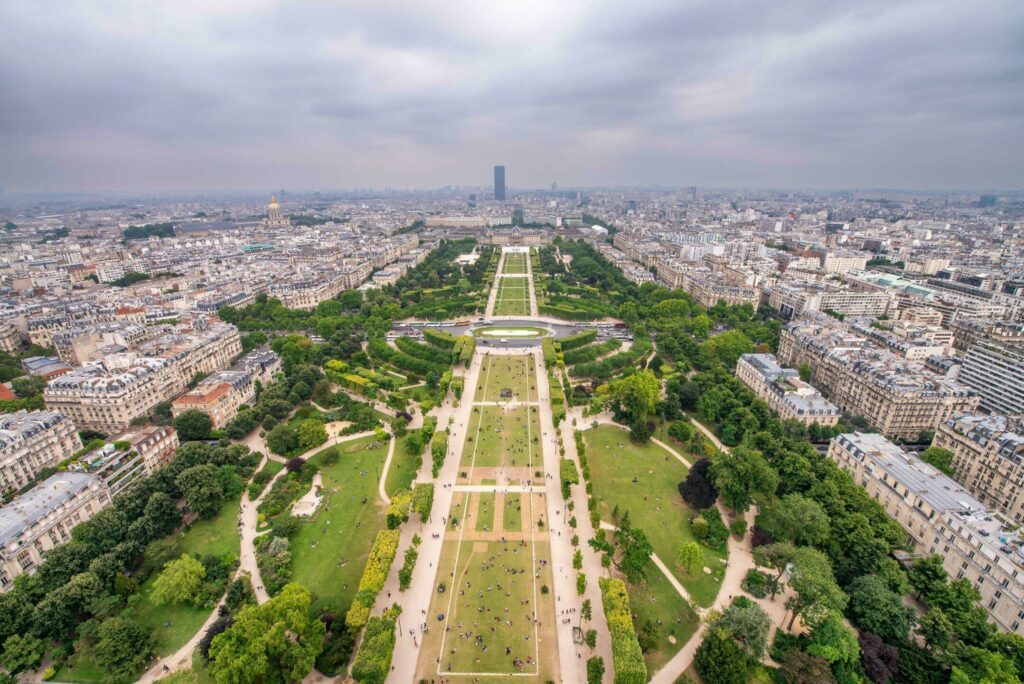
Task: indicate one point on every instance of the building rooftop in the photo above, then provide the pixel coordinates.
(42, 499)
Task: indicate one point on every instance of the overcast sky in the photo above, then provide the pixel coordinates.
(248, 95)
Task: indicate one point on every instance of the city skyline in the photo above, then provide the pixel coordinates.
(180, 98)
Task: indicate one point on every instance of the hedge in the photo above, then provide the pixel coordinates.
(578, 340)
(373, 661)
(438, 450)
(382, 554)
(398, 509)
(602, 370)
(457, 386)
(627, 657)
(548, 348)
(381, 350)
(439, 338)
(425, 352)
(591, 351)
(568, 474)
(423, 500)
(467, 350)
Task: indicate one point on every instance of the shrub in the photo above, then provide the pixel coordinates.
(697, 489)
(627, 658)
(756, 583)
(382, 554)
(423, 500)
(398, 509)
(738, 527)
(373, 661)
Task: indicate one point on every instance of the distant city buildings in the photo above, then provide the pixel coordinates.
(996, 372)
(499, 183)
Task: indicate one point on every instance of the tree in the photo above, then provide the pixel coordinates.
(28, 386)
(874, 607)
(801, 520)
(201, 489)
(727, 347)
(311, 433)
(193, 425)
(275, 642)
(816, 590)
(636, 396)
(834, 641)
(880, 661)
(748, 624)
(803, 668)
(941, 458)
(697, 489)
(739, 474)
(22, 652)
(595, 670)
(720, 660)
(691, 557)
(936, 629)
(179, 582)
(283, 439)
(162, 514)
(636, 551)
(123, 650)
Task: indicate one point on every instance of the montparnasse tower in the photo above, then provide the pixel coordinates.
(275, 216)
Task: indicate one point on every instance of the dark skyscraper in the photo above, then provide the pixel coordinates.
(499, 183)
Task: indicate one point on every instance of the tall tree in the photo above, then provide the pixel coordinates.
(874, 607)
(179, 581)
(201, 489)
(801, 520)
(636, 396)
(748, 624)
(275, 642)
(123, 650)
(193, 425)
(741, 473)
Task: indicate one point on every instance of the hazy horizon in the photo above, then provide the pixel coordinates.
(181, 98)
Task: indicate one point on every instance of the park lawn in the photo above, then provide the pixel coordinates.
(656, 601)
(484, 511)
(462, 612)
(504, 439)
(515, 373)
(273, 467)
(402, 470)
(653, 502)
(512, 307)
(513, 297)
(329, 551)
(513, 514)
(514, 263)
(172, 626)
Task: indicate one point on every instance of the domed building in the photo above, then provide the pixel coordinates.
(275, 216)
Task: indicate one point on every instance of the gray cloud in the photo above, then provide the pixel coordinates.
(248, 95)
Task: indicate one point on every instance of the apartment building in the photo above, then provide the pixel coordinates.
(31, 441)
(794, 298)
(106, 396)
(899, 397)
(80, 345)
(129, 457)
(967, 332)
(844, 262)
(219, 396)
(914, 344)
(988, 458)
(784, 392)
(264, 364)
(10, 338)
(996, 372)
(42, 519)
(707, 287)
(941, 517)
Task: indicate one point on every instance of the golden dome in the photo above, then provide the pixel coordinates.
(273, 202)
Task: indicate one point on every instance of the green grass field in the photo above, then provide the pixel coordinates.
(659, 608)
(513, 297)
(402, 470)
(512, 520)
(643, 480)
(484, 511)
(502, 438)
(329, 552)
(172, 625)
(513, 373)
(514, 263)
